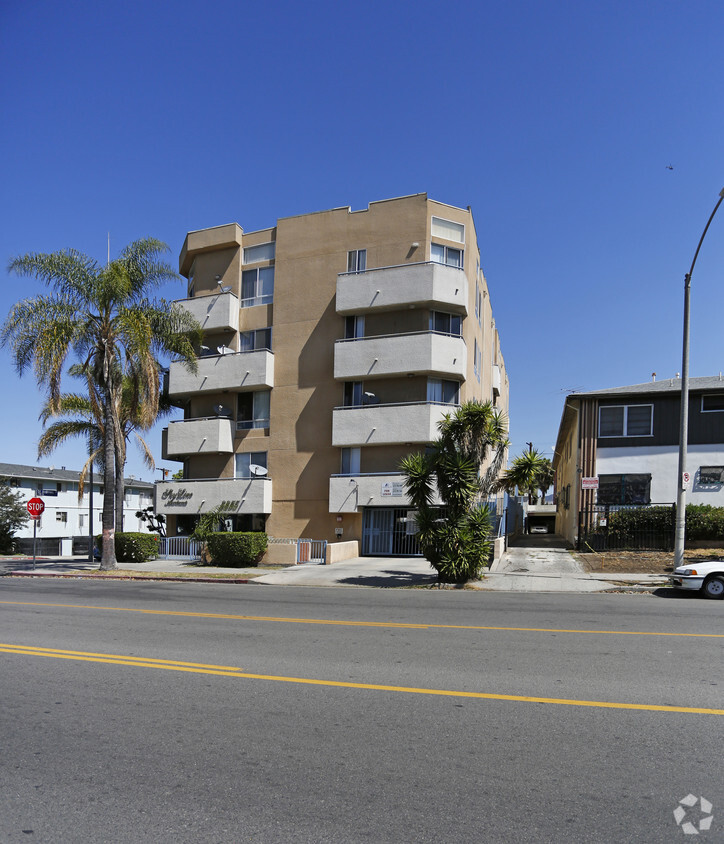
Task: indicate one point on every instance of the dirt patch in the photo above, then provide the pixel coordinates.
(641, 562)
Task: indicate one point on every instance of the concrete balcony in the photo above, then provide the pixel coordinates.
(237, 372)
(212, 435)
(236, 495)
(387, 424)
(350, 493)
(214, 313)
(424, 353)
(428, 285)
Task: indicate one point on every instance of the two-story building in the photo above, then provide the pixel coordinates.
(65, 524)
(621, 446)
(334, 342)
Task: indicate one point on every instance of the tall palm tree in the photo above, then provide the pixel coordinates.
(82, 416)
(455, 538)
(102, 315)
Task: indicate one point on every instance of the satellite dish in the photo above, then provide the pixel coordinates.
(224, 350)
(222, 410)
(204, 350)
(256, 469)
(224, 289)
(370, 398)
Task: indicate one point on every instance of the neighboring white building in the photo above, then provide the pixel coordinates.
(64, 526)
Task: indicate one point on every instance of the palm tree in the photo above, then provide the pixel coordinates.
(526, 473)
(103, 316)
(545, 478)
(455, 537)
(83, 417)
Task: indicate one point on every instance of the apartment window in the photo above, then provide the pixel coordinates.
(61, 516)
(446, 255)
(624, 489)
(192, 273)
(351, 461)
(447, 229)
(710, 404)
(81, 521)
(262, 252)
(253, 410)
(257, 287)
(354, 327)
(252, 341)
(247, 465)
(445, 323)
(709, 475)
(356, 260)
(477, 359)
(353, 393)
(441, 391)
(633, 420)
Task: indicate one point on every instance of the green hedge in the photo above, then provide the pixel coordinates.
(236, 549)
(702, 521)
(134, 547)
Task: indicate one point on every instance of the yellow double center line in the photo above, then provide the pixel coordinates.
(233, 671)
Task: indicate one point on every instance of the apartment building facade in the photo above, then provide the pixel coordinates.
(66, 521)
(333, 344)
(620, 447)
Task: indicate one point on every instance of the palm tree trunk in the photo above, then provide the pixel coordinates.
(120, 491)
(108, 553)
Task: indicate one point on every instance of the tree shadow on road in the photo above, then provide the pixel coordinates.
(391, 578)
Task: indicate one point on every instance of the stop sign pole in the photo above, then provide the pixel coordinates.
(35, 507)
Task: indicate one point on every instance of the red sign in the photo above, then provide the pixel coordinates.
(589, 483)
(35, 507)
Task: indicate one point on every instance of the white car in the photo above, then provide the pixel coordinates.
(707, 577)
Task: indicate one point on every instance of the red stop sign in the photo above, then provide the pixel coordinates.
(35, 507)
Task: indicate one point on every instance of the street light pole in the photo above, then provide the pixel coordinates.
(680, 533)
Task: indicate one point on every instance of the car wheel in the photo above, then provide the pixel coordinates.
(714, 587)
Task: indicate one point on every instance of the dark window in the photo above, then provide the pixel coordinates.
(354, 327)
(710, 403)
(445, 323)
(257, 287)
(624, 489)
(352, 393)
(251, 341)
(633, 420)
(356, 260)
(711, 475)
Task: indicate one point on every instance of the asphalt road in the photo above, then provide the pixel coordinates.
(209, 713)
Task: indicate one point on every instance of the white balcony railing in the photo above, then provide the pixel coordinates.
(349, 493)
(210, 435)
(429, 285)
(387, 424)
(237, 372)
(219, 312)
(423, 352)
(236, 496)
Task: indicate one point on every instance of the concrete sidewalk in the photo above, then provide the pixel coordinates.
(521, 569)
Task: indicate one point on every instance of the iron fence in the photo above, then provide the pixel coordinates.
(626, 527)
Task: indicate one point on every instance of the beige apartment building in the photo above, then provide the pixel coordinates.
(333, 344)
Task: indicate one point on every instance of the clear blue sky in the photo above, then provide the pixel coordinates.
(556, 121)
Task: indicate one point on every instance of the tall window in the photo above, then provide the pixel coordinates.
(356, 260)
(477, 360)
(246, 464)
(446, 255)
(253, 410)
(353, 392)
(350, 461)
(354, 327)
(445, 323)
(624, 489)
(257, 287)
(442, 392)
(251, 341)
(632, 420)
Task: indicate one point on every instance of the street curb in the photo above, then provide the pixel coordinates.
(131, 577)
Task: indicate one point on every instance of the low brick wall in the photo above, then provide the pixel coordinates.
(338, 551)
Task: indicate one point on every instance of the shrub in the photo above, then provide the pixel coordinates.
(236, 549)
(134, 547)
(702, 521)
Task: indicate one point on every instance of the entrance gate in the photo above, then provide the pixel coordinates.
(389, 532)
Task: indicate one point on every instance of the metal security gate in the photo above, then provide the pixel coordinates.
(179, 548)
(389, 532)
(312, 551)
